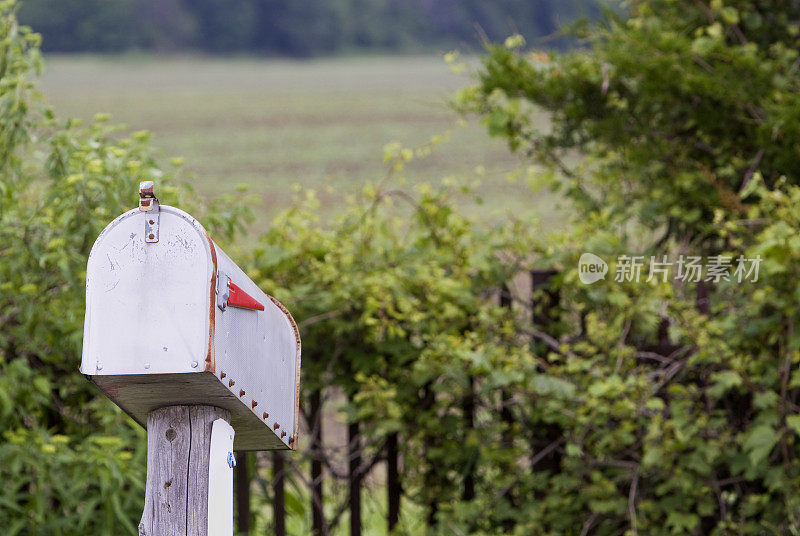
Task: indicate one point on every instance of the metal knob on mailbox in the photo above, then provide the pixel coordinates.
(172, 320)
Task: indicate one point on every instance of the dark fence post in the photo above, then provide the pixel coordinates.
(354, 476)
(279, 503)
(505, 396)
(393, 489)
(431, 477)
(543, 311)
(507, 417)
(242, 494)
(468, 407)
(702, 302)
(317, 514)
(544, 300)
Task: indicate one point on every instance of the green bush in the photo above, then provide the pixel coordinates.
(657, 407)
(69, 462)
(673, 133)
(386, 297)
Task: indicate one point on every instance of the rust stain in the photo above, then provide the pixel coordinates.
(241, 392)
(266, 415)
(285, 311)
(167, 484)
(222, 375)
(231, 383)
(210, 365)
(283, 433)
(254, 403)
(276, 426)
(111, 389)
(297, 373)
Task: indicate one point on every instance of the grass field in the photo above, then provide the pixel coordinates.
(272, 123)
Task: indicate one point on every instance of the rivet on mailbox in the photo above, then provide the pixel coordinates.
(155, 280)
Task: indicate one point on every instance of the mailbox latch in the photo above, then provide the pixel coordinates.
(148, 203)
(223, 290)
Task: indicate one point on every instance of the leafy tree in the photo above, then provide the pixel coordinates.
(79, 25)
(659, 407)
(673, 133)
(298, 28)
(386, 297)
(681, 107)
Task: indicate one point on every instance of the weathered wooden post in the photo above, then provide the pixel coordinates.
(186, 344)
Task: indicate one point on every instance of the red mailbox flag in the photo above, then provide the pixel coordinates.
(240, 298)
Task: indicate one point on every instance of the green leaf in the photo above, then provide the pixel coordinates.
(759, 443)
(724, 381)
(793, 422)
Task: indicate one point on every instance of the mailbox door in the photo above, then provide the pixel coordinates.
(149, 306)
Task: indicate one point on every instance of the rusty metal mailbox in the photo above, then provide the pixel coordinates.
(172, 320)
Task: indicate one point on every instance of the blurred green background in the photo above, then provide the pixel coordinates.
(271, 124)
(301, 28)
(221, 84)
(453, 337)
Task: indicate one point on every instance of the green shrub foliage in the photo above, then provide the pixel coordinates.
(392, 300)
(652, 407)
(69, 462)
(673, 133)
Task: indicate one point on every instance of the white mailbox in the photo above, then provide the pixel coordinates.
(171, 320)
